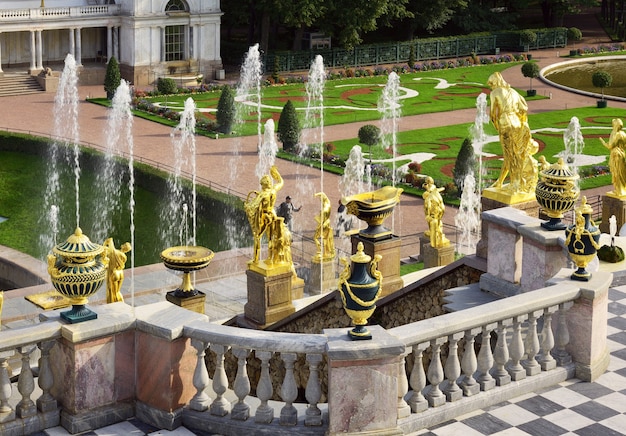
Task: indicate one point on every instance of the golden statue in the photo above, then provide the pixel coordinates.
(115, 270)
(324, 233)
(510, 118)
(263, 219)
(617, 158)
(434, 209)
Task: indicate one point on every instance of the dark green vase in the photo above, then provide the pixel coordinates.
(581, 239)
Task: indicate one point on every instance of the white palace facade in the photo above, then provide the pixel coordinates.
(149, 38)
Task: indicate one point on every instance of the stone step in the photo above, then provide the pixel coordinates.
(465, 297)
(409, 260)
(18, 84)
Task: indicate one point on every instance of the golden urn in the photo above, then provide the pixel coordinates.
(373, 208)
(582, 241)
(186, 258)
(77, 270)
(556, 193)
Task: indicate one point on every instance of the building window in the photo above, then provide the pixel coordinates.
(175, 43)
(176, 6)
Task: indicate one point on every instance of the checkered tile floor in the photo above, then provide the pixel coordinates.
(570, 408)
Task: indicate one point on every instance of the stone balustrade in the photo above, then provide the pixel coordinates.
(21, 14)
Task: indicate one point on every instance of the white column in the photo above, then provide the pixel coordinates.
(79, 57)
(39, 50)
(72, 50)
(32, 50)
(162, 44)
(0, 54)
(109, 42)
(188, 43)
(116, 43)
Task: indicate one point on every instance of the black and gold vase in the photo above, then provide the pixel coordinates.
(77, 270)
(556, 193)
(581, 240)
(360, 287)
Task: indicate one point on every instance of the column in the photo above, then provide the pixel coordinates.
(39, 50)
(116, 43)
(109, 42)
(72, 43)
(542, 256)
(32, 50)
(0, 55)
(162, 44)
(79, 58)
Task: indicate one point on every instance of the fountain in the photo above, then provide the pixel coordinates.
(389, 107)
(574, 144)
(351, 183)
(249, 87)
(267, 150)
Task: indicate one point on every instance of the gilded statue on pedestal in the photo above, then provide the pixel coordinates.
(115, 270)
(264, 221)
(509, 117)
(617, 157)
(324, 233)
(434, 209)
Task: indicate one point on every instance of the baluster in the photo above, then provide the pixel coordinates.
(26, 384)
(6, 412)
(468, 364)
(516, 370)
(289, 391)
(264, 413)
(452, 368)
(501, 357)
(313, 393)
(403, 387)
(46, 402)
(200, 400)
(562, 337)
(485, 360)
(435, 374)
(418, 379)
(532, 346)
(219, 406)
(546, 360)
(241, 386)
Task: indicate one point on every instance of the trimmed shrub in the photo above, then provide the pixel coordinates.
(530, 69)
(289, 127)
(465, 164)
(226, 110)
(602, 79)
(166, 85)
(112, 78)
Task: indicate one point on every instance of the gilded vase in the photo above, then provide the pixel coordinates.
(582, 241)
(373, 208)
(360, 286)
(77, 270)
(556, 193)
(186, 258)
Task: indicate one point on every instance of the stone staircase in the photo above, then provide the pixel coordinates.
(18, 84)
(467, 296)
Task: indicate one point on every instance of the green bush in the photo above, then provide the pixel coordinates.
(166, 85)
(226, 110)
(530, 69)
(574, 34)
(289, 127)
(527, 37)
(465, 164)
(602, 79)
(369, 135)
(112, 78)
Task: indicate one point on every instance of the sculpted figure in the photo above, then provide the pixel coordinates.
(324, 233)
(617, 157)
(509, 117)
(261, 215)
(434, 209)
(115, 270)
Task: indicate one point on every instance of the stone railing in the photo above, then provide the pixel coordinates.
(22, 14)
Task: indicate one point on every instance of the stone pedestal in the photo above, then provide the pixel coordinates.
(363, 382)
(323, 278)
(389, 265)
(612, 205)
(269, 296)
(439, 256)
(194, 303)
(490, 201)
(542, 255)
(297, 288)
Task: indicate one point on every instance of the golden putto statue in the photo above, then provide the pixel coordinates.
(324, 233)
(115, 270)
(434, 209)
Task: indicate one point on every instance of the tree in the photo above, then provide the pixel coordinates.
(226, 110)
(289, 127)
(465, 164)
(112, 78)
(432, 15)
(602, 79)
(527, 37)
(167, 86)
(530, 69)
(574, 34)
(369, 135)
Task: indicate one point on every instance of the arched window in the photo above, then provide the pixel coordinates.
(176, 6)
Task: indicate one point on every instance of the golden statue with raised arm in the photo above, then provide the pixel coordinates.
(617, 158)
(262, 217)
(115, 270)
(509, 115)
(324, 233)
(434, 209)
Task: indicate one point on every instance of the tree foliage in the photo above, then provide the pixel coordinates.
(166, 85)
(602, 79)
(369, 135)
(289, 127)
(531, 70)
(465, 164)
(112, 78)
(225, 115)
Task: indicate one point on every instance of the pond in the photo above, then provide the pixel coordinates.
(577, 75)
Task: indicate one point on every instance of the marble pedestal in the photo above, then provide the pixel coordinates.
(269, 296)
(323, 278)
(612, 205)
(297, 288)
(389, 265)
(194, 303)
(437, 256)
(489, 202)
